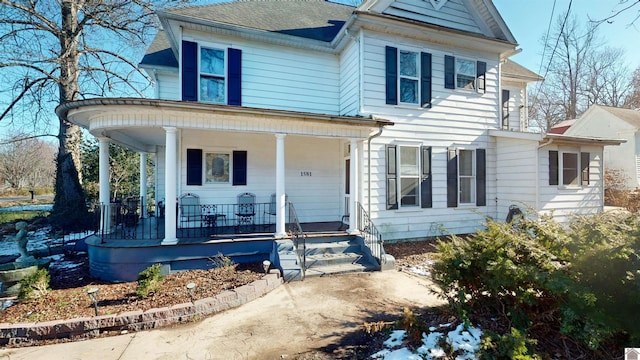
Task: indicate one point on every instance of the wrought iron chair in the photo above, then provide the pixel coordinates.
(190, 211)
(246, 210)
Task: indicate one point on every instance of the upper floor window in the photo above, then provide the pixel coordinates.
(408, 77)
(464, 74)
(212, 75)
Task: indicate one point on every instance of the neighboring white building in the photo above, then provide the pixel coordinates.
(409, 108)
(611, 122)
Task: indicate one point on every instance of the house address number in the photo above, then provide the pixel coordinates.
(305, 173)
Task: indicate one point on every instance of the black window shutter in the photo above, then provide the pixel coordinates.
(189, 71)
(481, 76)
(194, 167)
(392, 178)
(449, 72)
(426, 181)
(391, 71)
(234, 74)
(452, 178)
(585, 158)
(481, 177)
(239, 167)
(425, 80)
(505, 109)
(553, 167)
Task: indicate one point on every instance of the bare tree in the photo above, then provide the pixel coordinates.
(632, 100)
(27, 162)
(56, 51)
(607, 81)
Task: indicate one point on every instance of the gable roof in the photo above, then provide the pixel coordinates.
(310, 19)
(512, 69)
(632, 117)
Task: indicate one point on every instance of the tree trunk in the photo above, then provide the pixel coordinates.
(69, 208)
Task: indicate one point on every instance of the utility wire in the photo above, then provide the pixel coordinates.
(555, 47)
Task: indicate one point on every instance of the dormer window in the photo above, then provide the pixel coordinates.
(212, 75)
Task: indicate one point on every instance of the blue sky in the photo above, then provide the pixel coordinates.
(529, 19)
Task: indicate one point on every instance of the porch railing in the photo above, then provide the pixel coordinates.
(298, 236)
(372, 237)
(123, 220)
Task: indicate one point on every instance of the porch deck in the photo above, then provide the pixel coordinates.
(122, 253)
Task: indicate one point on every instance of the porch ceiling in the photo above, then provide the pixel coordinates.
(139, 123)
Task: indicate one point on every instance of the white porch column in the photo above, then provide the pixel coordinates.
(143, 185)
(280, 189)
(170, 180)
(354, 188)
(103, 179)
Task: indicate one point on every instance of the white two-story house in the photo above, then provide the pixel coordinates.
(407, 113)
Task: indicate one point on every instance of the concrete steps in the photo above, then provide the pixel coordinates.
(337, 255)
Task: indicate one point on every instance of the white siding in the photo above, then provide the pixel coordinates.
(316, 197)
(350, 80)
(168, 86)
(285, 78)
(458, 118)
(565, 202)
(516, 175)
(516, 107)
(453, 14)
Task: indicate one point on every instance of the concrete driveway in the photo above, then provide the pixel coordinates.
(296, 318)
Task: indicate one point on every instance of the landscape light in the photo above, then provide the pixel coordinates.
(266, 264)
(93, 295)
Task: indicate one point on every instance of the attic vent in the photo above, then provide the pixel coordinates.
(437, 4)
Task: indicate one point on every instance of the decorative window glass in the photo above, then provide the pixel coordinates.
(217, 168)
(409, 79)
(409, 176)
(467, 176)
(465, 74)
(212, 75)
(569, 168)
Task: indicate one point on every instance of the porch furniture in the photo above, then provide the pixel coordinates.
(190, 212)
(130, 211)
(210, 216)
(245, 210)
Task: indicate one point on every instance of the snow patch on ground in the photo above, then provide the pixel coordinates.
(464, 341)
(421, 270)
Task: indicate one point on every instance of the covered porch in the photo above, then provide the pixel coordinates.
(218, 153)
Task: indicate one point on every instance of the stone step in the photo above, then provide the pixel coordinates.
(338, 269)
(331, 248)
(328, 259)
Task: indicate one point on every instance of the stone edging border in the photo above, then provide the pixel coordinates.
(89, 327)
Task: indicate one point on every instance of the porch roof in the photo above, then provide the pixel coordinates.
(138, 123)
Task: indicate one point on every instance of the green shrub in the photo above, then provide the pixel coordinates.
(149, 280)
(583, 279)
(35, 286)
(514, 345)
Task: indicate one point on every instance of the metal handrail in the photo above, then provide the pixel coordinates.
(372, 237)
(298, 236)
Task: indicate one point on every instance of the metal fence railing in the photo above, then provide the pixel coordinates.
(372, 237)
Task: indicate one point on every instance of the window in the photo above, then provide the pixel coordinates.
(464, 74)
(569, 168)
(466, 177)
(408, 77)
(212, 75)
(410, 168)
(505, 109)
(214, 167)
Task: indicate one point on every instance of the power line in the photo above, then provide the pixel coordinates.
(555, 47)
